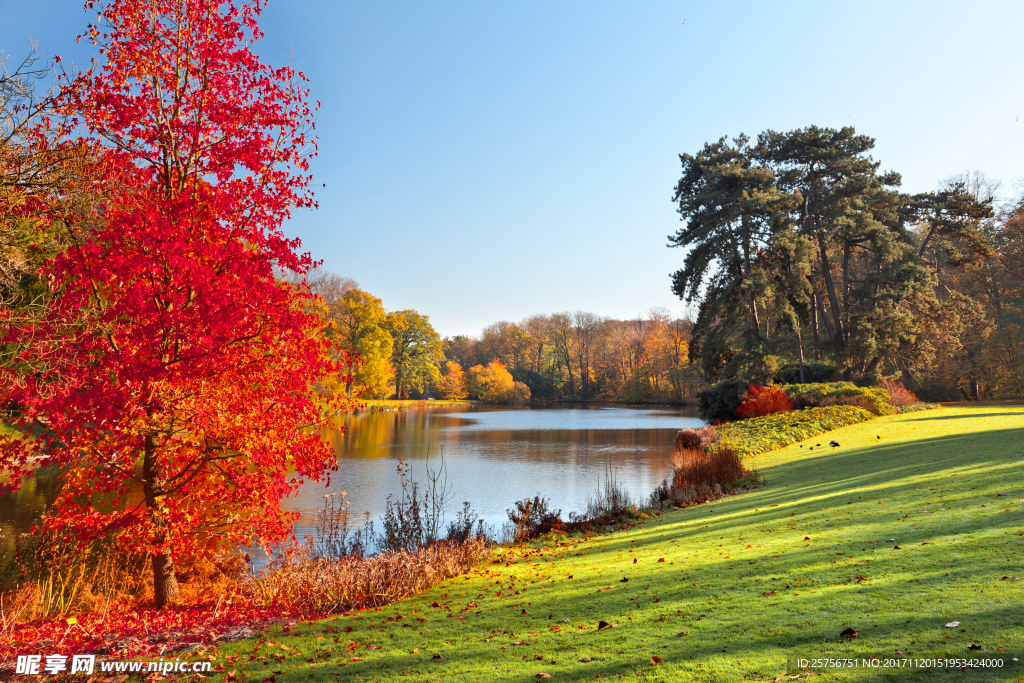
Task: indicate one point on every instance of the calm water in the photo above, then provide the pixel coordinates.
(493, 457)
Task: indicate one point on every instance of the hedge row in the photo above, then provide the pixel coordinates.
(877, 396)
(763, 434)
(719, 402)
(917, 407)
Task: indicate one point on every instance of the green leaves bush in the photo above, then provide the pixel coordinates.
(877, 396)
(763, 434)
(917, 407)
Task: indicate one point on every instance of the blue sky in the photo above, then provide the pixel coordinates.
(488, 161)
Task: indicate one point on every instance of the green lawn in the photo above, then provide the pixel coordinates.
(749, 584)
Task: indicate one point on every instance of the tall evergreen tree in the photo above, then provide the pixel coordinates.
(731, 205)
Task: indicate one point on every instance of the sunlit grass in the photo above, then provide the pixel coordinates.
(749, 583)
(406, 404)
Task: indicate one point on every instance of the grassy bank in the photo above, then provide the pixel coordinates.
(389, 405)
(749, 583)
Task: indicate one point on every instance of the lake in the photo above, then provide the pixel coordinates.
(493, 456)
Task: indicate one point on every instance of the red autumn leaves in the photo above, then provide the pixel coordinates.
(178, 366)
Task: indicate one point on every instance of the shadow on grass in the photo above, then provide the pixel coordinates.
(752, 609)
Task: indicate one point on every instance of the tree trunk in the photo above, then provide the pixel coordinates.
(800, 348)
(846, 291)
(824, 313)
(165, 581)
(838, 335)
(814, 325)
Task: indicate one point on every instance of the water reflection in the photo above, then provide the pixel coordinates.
(496, 456)
(23, 509)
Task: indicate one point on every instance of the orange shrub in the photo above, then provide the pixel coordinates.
(899, 395)
(760, 401)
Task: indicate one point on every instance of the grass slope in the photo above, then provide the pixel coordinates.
(749, 583)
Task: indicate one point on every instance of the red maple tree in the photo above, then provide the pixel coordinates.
(178, 370)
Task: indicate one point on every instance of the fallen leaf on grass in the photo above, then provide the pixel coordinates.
(974, 646)
(953, 624)
(849, 633)
(657, 660)
(896, 547)
(543, 675)
(682, 633)
(232, 676)
(624, 579)
(661, 559)
(435, 604)
(602, 624)
(355, 659)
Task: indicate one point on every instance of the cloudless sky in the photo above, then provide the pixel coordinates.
(487, 161)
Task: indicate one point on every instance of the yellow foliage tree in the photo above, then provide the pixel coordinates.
(452, 384)
(494, 384)
(358, 318)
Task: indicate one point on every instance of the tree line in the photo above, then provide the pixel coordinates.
(564, 356)
(808, 262)
(584, 356)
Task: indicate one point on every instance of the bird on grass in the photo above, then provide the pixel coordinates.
(833, 443)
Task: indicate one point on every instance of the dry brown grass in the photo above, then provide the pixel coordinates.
(700, 475)
(319, 585)
(693, 439)
(53, 577)
(720, 465)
